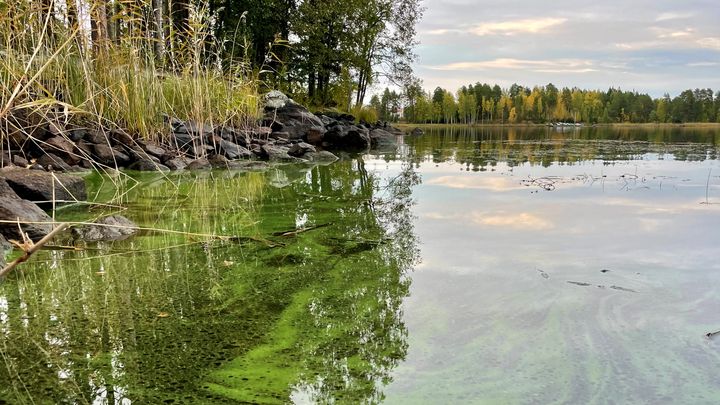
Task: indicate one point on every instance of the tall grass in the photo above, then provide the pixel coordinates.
(52, 72)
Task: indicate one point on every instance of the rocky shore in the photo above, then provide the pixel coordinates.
(287, 132)
(35, 172)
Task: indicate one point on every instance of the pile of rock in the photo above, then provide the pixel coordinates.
(287, 132)
(292, 122)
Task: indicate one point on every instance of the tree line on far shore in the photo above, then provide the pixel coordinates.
(483, 103)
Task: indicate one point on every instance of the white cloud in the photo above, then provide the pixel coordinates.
(677, 34)
(442, 31)
(501, 219)
(476, 182)
(710, 42)
(703, 64)
(673, 16)
(509, 63)
(522, 220)
(513, 27)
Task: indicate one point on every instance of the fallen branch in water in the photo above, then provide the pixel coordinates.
(30, 248)
(711, 335)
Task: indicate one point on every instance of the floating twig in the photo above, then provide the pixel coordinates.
(615, 287)
(712, 335)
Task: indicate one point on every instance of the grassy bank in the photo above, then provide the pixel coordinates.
(54, 76)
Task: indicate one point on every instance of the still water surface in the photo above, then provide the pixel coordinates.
(470, 266)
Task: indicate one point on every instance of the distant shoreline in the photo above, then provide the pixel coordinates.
(691, 125)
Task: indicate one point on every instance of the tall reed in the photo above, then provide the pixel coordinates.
(54, 69)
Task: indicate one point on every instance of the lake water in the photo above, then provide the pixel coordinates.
(469, 266)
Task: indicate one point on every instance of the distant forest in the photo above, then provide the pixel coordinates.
(483, 103)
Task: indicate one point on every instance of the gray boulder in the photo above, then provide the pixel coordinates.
(110, 156)
(13, 208)
(322, 157)
(177, 163)
(42, 186)
(108, 229)
(61, 146)
(192, 127)
(381, 139)
(277, 153)
(155, 150)
(233, 151)
(218, 162)
(199, 164)
(53, 162)
(276, 99)
(293, 119)
(299, 149)
(348, 137)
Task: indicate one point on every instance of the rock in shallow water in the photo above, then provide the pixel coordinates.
(199, 164)
(322, 157)
(381, 139)
(13, 208)
(108, 229)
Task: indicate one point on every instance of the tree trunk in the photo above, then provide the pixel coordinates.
(158, 31)
(311, 85)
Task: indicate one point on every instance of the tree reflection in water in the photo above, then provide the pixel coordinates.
(318, 318)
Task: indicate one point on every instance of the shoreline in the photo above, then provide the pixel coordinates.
(690, 125)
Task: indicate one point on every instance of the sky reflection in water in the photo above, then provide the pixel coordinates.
(592, 281)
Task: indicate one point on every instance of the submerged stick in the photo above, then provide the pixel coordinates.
(707, 188)
(301, 230)
(29, 252)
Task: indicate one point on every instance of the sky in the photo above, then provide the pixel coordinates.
(651, 46)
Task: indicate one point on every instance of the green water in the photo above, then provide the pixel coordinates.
(471, 266)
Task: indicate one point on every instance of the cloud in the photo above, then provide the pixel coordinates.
(677, 34)
(514, 27)
(686, 39)
(501, 219)
(522, 220)
(711, 43)
(703, 64)
(443, 31)
(476, 182)
(673, 16)
(557, 65)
